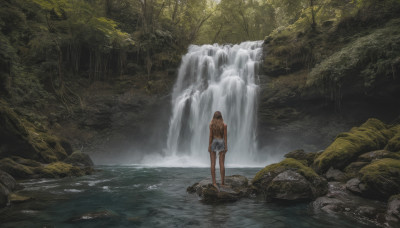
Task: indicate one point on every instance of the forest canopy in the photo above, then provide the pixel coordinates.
(97, 39)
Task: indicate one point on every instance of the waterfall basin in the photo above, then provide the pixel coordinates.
(140, 196)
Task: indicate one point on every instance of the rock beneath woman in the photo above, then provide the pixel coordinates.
(236, 187)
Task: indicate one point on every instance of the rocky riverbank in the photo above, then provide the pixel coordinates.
(358, 175)
(32, 151)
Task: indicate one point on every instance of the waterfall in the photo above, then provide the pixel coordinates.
(215, 78)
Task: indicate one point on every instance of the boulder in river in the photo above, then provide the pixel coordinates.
(381, 178)
(236, 187)
(289, 180)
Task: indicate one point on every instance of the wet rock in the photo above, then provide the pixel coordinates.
(367, 211)
(289, 180)
(289, 185)
(4, 192)
(79, 159)
(335, 175)
(378, 154)
(8, 181)
(328, 205)
(355, 186)
(236, 187)
(340, 200)
(393, 211)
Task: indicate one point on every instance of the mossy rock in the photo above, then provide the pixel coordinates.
(286, 164)
(353, 168)
(47, 146)
(301, 155)
(301, 183)
(22, 138)
(60, 169)
(16, 170)
(381, 178)
(394, 143)
(26, 162)
(31, 169)
(372, 135)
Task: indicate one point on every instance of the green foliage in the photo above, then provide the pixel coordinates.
(236, 21)
(373, 57)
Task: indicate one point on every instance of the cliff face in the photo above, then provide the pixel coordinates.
(107, 119)
(318, 83)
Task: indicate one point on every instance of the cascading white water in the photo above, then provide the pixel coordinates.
(215, 77)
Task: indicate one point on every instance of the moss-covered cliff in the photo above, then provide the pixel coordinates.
(319, 82)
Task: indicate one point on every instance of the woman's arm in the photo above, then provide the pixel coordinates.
(226, 136)
(210, 140)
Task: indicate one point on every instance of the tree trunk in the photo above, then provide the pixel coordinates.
(313, 24)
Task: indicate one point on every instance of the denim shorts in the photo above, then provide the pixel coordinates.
(217, 145)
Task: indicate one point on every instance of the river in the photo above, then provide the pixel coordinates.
(139, 196)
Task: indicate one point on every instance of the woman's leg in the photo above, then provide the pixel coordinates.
(222, 166)
(213, 158)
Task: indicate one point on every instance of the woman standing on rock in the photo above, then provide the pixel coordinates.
(218, 143)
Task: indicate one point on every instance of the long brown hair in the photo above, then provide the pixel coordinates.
(217, 124)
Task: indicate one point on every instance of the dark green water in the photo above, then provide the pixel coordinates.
(150, 197)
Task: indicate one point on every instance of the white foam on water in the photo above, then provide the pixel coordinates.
(73, 190)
